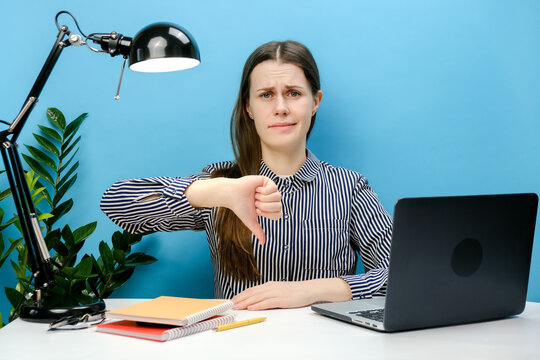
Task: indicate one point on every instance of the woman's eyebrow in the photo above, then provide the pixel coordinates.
(300, 87)
(271, 88)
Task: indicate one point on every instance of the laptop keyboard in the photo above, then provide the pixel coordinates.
(375, 314)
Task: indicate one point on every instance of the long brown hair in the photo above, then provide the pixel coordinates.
(235, 247)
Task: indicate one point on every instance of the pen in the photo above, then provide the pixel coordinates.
(240, 323)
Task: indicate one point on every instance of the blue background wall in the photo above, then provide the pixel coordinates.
(422, 97)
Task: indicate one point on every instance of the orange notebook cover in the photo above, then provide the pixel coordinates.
(161, 332)
(172, 310)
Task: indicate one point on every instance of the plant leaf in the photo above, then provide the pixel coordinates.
(45, 193)
(42, 157)
(74, 125)
(31, 180)
(47, 144)
(84, 267)
(97, 269)
(52, 238)
(56, 117)
(68, 272)
(133, 238)
(15, 268)
(106, 256)
(66, 176)
(44, 216)
(60, 211)
(137, 259)
(10, 221)
(61, 249)
(4, 194)
(119, 256)
(73, 251)
(120, 272)
(9, 250)
(68, 237)
(38, 200)
(17, 224)
(121, 277)
(63, 189)
(36, 192)
(53, 134)
(65, 165)
(68, 150)
(67, 141)
(106, 291)
(36, 166)
(120, 241)
(13, 296)
(84, 232)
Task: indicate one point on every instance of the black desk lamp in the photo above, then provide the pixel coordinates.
(159, 47)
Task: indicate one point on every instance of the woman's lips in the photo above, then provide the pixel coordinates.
(282, 125)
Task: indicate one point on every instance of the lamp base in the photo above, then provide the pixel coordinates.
(46, 315)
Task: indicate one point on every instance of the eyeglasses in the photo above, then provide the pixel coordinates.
(78, 322)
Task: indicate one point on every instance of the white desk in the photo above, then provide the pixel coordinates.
(286, 334)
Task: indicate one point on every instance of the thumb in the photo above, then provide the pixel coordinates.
(256, 229)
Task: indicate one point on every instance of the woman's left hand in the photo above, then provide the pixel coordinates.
(291, 294)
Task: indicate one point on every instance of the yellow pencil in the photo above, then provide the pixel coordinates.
(240, 323)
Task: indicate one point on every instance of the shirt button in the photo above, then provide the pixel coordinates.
(283, 279)
(286, 216)
(286, 247)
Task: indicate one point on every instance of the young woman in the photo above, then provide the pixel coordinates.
(283, 227)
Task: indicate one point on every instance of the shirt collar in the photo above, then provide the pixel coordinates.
(311, 167)
(307, 172)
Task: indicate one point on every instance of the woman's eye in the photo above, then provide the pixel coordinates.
(294, 94)
(265, 95)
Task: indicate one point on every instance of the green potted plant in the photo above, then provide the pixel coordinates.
(80, 278)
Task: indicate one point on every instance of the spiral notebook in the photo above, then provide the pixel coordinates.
(161, 333)
(172, 310)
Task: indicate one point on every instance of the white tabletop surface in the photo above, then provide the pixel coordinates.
(286, 334)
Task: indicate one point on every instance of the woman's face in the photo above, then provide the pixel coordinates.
(281, 104)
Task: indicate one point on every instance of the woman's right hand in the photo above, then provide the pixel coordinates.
(248, 197)
(254, 196)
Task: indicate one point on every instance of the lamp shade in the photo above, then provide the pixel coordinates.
(163, 47)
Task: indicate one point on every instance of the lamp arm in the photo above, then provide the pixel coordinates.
(17, 125)
(38, 253)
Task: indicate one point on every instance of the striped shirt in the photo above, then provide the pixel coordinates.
(329, 215)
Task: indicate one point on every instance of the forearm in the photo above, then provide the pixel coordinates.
(150, 204)
(364, 286)
(210, 192)
(248, 197)
(371, 233)
(333, 289)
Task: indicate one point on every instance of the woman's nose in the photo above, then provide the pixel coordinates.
(281, 106)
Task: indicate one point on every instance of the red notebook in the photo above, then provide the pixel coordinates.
(159, 332)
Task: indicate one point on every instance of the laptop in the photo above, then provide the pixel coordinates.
(453, 260)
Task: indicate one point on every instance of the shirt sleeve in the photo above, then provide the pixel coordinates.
(371, 232)
(153, 204)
